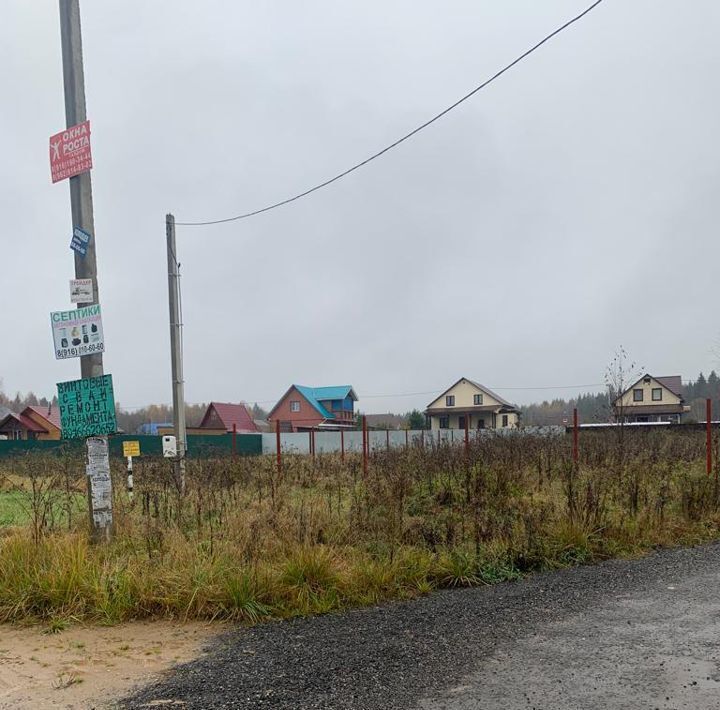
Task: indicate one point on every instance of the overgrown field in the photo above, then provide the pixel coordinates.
(248, 542)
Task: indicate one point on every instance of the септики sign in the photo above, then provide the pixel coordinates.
(77, 333)
(70, 152)
(87, 407)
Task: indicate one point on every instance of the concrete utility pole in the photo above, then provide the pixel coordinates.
(176, 355)
(82, 216)
(81, 201)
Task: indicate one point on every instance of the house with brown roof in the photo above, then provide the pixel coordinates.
(223, 417)
(467, 403)
(34, 422)
(651, 399)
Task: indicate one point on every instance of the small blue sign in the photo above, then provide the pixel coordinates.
(80, 241)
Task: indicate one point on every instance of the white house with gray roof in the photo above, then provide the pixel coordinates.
(467, 403)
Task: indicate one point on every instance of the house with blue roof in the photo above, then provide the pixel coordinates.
(304, 408)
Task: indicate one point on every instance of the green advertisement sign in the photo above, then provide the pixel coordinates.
(87, 407)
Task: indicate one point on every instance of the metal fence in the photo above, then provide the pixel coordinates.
(198, 446)
(352, 441)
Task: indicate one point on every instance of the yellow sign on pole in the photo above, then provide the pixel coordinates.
(131, 448)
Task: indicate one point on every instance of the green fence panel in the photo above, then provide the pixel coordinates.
(201, 446)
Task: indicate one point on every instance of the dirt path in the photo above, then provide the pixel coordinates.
(83, 668)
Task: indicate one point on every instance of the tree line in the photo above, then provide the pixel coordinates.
(591, 406)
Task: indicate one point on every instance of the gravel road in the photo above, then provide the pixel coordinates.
(620, 635)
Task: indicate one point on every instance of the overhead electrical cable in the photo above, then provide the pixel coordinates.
(400, 140)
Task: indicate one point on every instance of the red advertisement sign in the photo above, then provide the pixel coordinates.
(70, 152)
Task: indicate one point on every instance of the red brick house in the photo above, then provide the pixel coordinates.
(34, 422)
(223, 415)
(303, 408)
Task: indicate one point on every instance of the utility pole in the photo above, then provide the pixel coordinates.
(176, 354)
(81, 203)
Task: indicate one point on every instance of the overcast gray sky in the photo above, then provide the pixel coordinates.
(563, 211)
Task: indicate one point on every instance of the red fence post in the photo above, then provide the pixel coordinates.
(576, 450)
(467, 434)
(342, 444)
(366, 443)
(708, 434)
(277, 445)
(234, 439)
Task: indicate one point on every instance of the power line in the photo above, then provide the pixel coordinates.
(392, 394)
(404, 138)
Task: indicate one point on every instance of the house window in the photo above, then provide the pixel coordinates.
(444, 422)
(481, 424)
(450, 400)
(461, 421)
(477, 399)
(295, 406)
(505, 420)
(637, 395)
(657, 394)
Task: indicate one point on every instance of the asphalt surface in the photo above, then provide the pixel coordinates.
(623, 634)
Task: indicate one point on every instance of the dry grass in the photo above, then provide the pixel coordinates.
(248, 543)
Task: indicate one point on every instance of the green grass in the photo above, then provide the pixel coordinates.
(250, 544)
(12, 511)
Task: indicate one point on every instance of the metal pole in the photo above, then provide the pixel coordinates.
(576, 450)
(178, 385)
(234, 439)
(342, 445)
(277, 445)
(708, 435)
(366, 444)
(81, 202)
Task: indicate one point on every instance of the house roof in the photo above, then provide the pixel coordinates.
(482, 388)
(229, 414)
(316, 395)
(24, 421)
(50, 413)
(673, 383)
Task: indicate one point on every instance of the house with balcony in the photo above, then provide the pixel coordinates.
(467, 403)
(304, 408)
(651, 399)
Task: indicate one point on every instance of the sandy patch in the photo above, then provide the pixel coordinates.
(82, 668)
